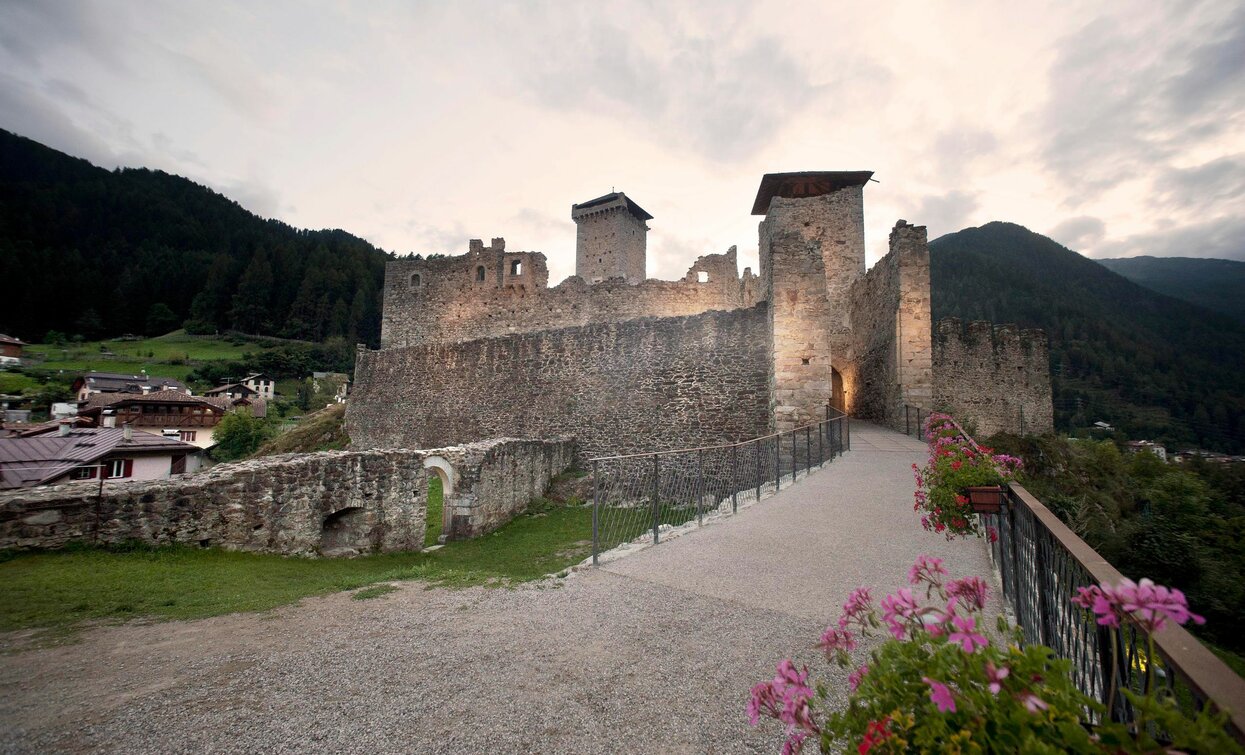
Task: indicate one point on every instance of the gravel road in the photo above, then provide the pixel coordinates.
(655, 652)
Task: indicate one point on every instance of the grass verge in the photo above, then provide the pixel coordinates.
(60, 590)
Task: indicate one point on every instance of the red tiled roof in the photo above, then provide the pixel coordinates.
(11, 339)
(25, 462)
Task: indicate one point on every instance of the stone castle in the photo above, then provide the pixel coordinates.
(479, 346)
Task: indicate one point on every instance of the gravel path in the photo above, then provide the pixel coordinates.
(655, 652)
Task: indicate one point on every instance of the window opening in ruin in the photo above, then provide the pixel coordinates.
(703, 277)
(516, 267)
(415, 279)
(345, 533)
(805, 360)
(480, 273)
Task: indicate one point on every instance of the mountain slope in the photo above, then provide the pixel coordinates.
(94, 252)
(1214, 284)
(1149, 364)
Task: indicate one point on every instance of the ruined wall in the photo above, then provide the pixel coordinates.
(892, 353)
(330, 503)
(448, 303)
(996, 378)
(639, 385)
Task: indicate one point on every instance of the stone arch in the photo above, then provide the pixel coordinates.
(480, 273)
(445, 471)
(416, 280)
(838, 391)
(346, 532)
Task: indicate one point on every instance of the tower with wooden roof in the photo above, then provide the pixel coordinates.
(611, 239)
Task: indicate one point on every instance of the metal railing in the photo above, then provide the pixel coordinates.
(914, 421)
(1041, 563)
(640, 495)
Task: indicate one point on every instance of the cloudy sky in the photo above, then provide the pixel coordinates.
(1116, 128)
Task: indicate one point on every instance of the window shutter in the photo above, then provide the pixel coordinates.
(129, 468)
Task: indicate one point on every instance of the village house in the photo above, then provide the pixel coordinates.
(111, 382)
(262, 384)
(232, 391)
(168, 413)
(10, 350)
(65, 454)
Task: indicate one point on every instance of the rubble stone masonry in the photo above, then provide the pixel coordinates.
(328, 503)
(891, 360)
(631, 386)
(993, 377)
(483, 294)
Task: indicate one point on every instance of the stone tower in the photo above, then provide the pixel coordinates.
(611, 239)
(812, 250)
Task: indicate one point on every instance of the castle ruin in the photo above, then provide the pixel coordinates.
(479, 346)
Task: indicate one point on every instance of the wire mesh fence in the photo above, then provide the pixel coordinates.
(640, 496)
(1041, 563)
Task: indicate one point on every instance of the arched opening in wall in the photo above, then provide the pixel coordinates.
(416, 280)
(439, 492)
(345, 533)
(480, 273)
(838, 394)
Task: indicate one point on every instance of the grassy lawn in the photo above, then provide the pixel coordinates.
(172, 355)
(14, 383)
(60, 589)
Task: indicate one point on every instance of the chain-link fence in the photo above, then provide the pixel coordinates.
(641, 495)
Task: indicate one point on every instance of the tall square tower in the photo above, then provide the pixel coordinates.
(611, 239)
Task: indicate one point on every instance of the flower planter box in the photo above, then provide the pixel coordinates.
(985, 499)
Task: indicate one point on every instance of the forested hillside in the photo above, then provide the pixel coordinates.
(1214, 284)
(98, 253)
(1149, 364)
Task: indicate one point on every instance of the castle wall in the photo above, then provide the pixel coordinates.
(443, 300)
(995, 378)
(793, 274)
(631, 386)
(892, 353)
(329, 503)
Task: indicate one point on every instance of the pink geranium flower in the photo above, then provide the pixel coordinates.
(853, 679)
(858, 605)
(940, 695)
(995, 677)
(926, 569)
(970, 591)
(836, 640)
(901, 605)
(967, 636)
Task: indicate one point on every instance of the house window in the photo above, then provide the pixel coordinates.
(186, 436)
(119, 468)
(84, 473)
(516, 267)
(480, 273)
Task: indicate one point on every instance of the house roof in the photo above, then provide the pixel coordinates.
(114, 382)
(614, 196)
(805, 184)
(230, 388)
(12, 340)
(255, 376)
(25, 462)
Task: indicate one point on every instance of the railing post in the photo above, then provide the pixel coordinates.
(847, 422)
(1016, 578)
(808, 450)
(907, 425)
(734, 479)
(700, 485)
(596, 512)
(759, 475)
(778, 462)
(656, 504)
(821, 448)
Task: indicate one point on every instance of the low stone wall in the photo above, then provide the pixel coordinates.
(327, 503)
(995, 378)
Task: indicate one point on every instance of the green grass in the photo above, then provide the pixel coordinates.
(436, 511)
(14, 383)
(59, 590)
(173, 355)
(375, 591)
